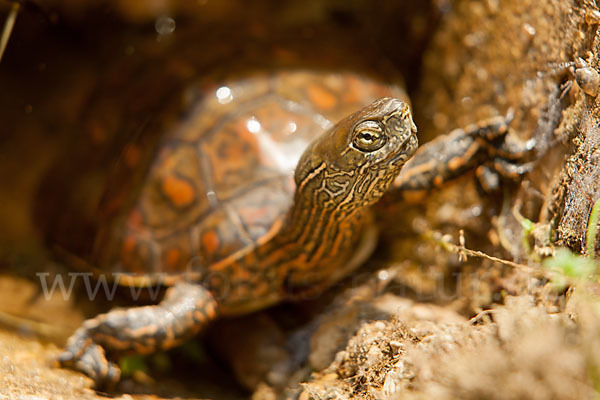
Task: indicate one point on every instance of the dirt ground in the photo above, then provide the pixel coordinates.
(425, 318)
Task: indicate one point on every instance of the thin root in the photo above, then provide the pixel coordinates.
(8, 27)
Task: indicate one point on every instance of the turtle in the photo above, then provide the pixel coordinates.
(260, 191)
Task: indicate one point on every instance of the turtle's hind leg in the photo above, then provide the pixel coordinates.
(183, 312)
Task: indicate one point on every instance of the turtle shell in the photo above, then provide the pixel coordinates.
(211, 176)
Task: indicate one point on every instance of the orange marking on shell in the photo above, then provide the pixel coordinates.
(438, 181)
(172, 259)
(180, 192)
(132, 155)
(321, 97)
(210, 242)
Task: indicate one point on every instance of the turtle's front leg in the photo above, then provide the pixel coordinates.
(184, 311)
(489, 143)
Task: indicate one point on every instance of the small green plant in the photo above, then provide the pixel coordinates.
(132, 363)
(570, 268)
(592, 230)
(528, 227)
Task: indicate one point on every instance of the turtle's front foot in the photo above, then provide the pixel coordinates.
(83, 355)
(185, 310)
(489, 147)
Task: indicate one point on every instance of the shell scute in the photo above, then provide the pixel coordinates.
(206, 108)
(233, 158)
(219, 236)
(174, 193)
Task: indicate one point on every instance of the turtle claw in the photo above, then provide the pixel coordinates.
(85, 356)
(76, 346)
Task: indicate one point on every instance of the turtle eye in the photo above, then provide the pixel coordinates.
(368, 136)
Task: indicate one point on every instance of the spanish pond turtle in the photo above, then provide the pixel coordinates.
(259, 192)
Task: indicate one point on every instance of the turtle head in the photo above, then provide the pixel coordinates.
(354, 163)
